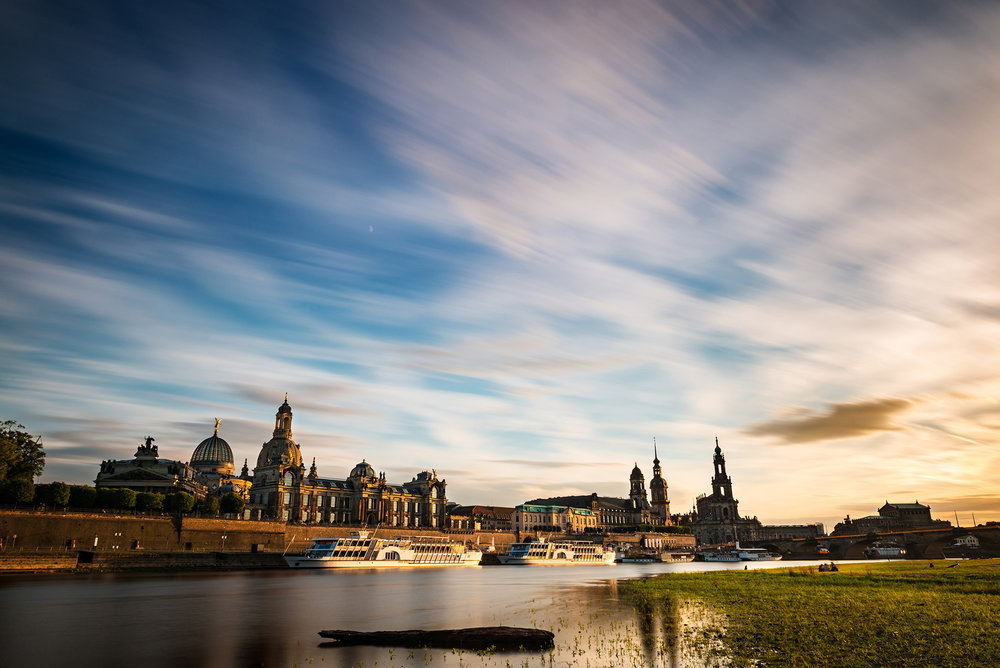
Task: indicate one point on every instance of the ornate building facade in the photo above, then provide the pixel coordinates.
(717, 518)
(528, 517)
(282, 489)
(147, 472)
(660, 503)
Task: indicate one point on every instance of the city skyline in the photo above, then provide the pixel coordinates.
(514, 242)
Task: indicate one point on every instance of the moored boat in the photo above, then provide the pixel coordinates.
(718, 555)
(757, 554)
(557, 553)
(363, 551)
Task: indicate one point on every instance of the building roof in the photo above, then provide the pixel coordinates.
(213, 450)
(482, 511)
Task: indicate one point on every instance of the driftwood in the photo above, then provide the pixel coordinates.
(499, 638)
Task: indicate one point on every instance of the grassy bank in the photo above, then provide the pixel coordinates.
(885, 614)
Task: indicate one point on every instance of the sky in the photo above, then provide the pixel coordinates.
(514, 242)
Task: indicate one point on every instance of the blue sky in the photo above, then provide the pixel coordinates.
(514, 242)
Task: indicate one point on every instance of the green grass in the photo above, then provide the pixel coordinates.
(884, 614)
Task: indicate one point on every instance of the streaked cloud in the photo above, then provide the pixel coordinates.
(847, 420)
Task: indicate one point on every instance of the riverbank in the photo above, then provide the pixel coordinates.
(941, 613)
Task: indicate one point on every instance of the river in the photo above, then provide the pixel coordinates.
(271, 618)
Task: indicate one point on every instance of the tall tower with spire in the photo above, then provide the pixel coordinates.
(719, 518)
(722, 484)
(658, 492)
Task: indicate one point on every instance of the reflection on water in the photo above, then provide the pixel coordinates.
(272, 618)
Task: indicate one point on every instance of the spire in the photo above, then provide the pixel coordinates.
(656, 457)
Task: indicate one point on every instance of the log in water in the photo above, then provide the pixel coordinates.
(500, 638)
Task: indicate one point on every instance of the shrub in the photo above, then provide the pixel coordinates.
(124, 498)
(178, 502)
(17, 490)
(149, 501)
(232, 503)
(82, 496)
(210, 506)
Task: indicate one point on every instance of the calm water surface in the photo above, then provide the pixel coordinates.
(271, 618)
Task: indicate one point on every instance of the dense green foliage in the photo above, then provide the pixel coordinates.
(178, 502)
(82, 496)
(232, 504)
(149, 501)
(17, 490)
(886, 614)
(209, 506)
(116, 498)
(21, 454)
(53, 493)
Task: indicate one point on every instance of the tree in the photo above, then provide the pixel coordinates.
(53, 493)
(82, 496)
(17, 490)
(21, 454)
(148, 501)
(232, 504)
(178, 502)
(210, 506)
(124, 498)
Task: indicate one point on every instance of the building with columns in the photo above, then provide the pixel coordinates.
(283, 490)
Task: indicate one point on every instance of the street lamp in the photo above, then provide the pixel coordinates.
(223, 542)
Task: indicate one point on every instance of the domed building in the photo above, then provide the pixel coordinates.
(213, 455)
(213, 462)
(282, 489)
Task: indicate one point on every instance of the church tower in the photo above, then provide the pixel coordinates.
(658, 492)
(638, 503)
(722, 484)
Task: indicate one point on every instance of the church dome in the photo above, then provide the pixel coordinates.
(213, 450)
(636, 472)
(362, 470)
(213, 455)
(279, 450)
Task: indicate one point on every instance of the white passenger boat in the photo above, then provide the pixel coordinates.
(364, 551)
(719, 555)
(757, 554)
(558, 553)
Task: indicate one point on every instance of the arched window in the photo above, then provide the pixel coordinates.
(288, 478)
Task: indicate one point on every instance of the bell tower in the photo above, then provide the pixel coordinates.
(658, 491)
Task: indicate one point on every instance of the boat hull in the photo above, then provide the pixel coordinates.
(302, 562)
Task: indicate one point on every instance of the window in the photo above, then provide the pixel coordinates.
(288, 499)
(288, 478)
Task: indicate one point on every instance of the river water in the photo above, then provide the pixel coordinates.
(271, 618)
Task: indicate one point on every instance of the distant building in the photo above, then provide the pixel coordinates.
(147, 472)
(659, 503)
(717, 519)
(614, 511)
(529, 517)
(892, 517)
(211, 471)
(479, 518)
(283, 490)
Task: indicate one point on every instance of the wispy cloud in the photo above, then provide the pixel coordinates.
(848, 420)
